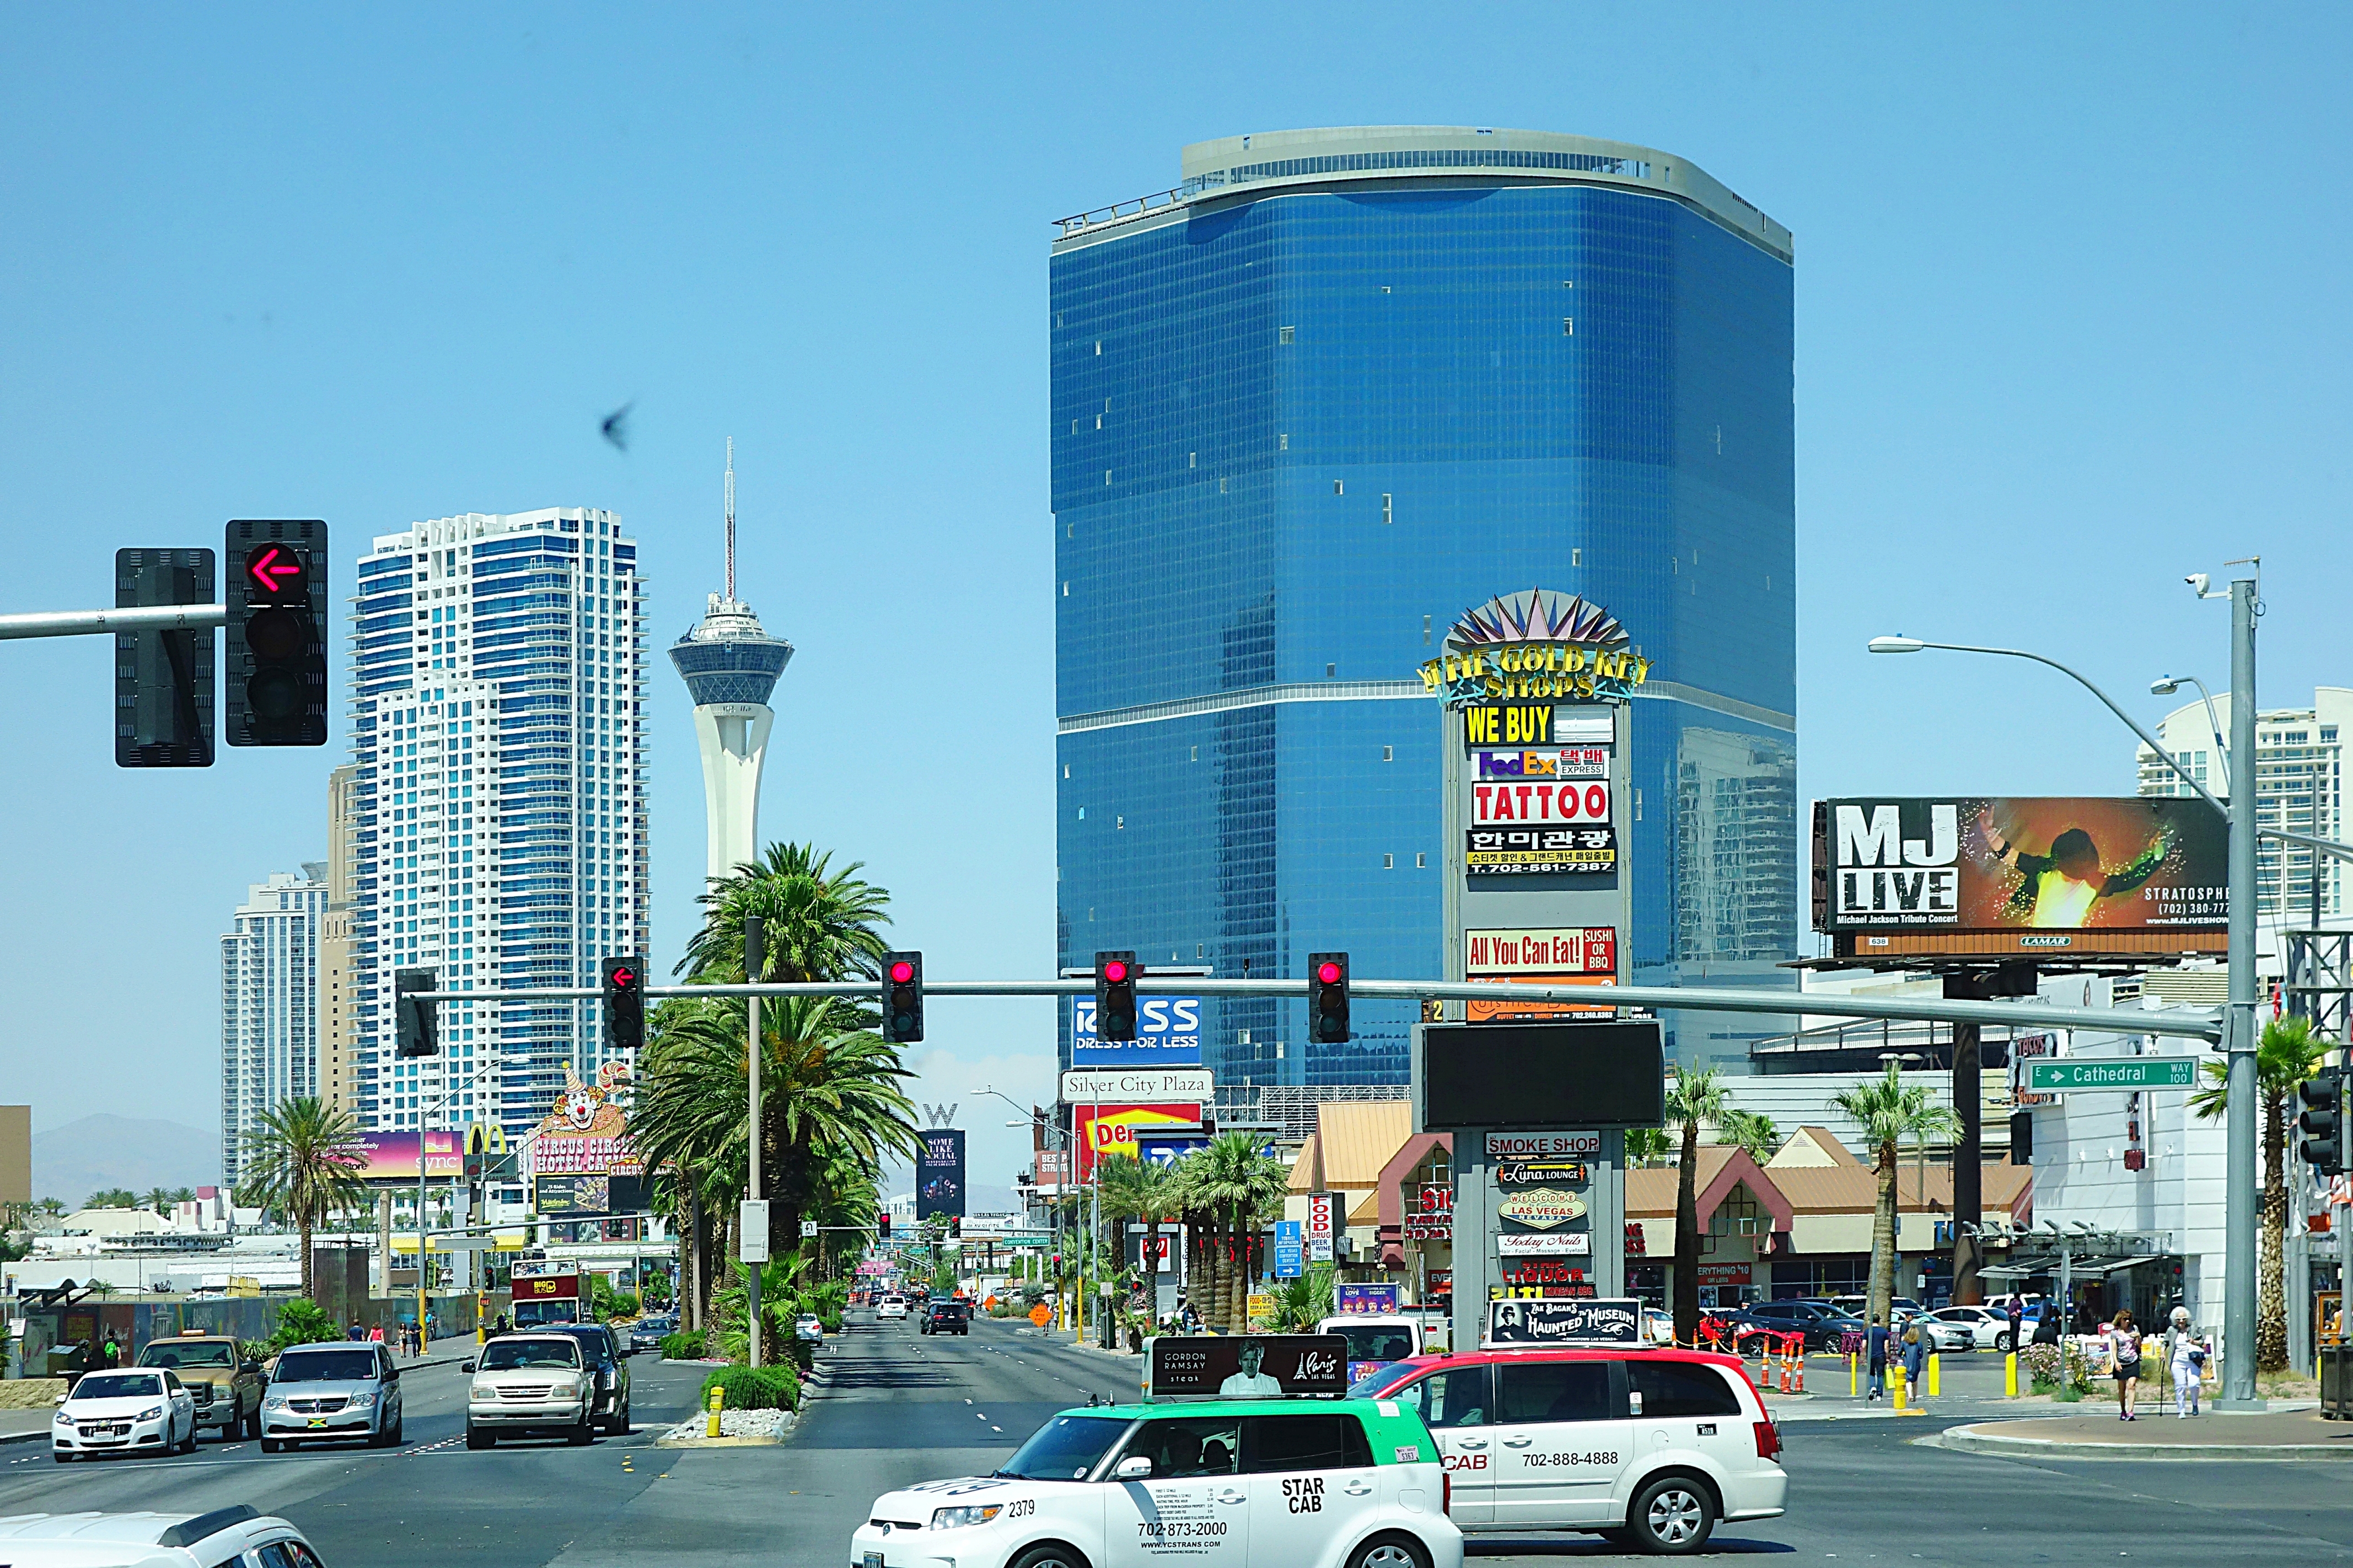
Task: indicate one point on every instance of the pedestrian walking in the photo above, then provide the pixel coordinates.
(1875, 1358)
(2123, 1355)
(2017, 1322)
(2185, 1356)
(1915, 1361)
(375, 1334)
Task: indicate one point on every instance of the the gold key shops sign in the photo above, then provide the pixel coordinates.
(1538, 644)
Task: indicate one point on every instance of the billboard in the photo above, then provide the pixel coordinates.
(2032, 873)
(1538, 1077)
(585, 1134)
(1248, 1366)
(1117, 1131)
(583, 1197)
(1610, 1320)
(391, 1157)
(1523, 850)
(939, 1174)
(1168, 1034)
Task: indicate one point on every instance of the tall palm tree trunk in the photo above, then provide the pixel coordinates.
(1687, 1239)
(698, 1250)
(1883, 1236)
(2270, 1314)
(303, 1224)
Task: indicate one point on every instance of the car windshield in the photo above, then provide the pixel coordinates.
(166, 1352)
(1369, 1342)
(1371, 1385)
(1064, 1449)
(514, 1354)
(326, 1366)
(118, 1385)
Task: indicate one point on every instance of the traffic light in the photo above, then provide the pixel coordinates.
(276, 597)
(2323, 1121)
(902, 998)
(882, 1224)
(163, 678)
(956, 1227)
(1115, 975)
(415, 1024)
(623, 979)
(1327, 998)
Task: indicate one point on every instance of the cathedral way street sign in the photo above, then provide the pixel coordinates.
(2111, 1072)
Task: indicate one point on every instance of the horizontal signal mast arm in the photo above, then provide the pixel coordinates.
(85, 623)
(2190, 1024)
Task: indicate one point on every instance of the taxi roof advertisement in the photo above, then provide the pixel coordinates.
(1992, 863)
(1610, 1320)
(1248, 1366)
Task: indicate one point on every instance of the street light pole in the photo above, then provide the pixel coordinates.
(2238, 1137)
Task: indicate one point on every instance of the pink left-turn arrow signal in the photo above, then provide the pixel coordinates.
(266, 568)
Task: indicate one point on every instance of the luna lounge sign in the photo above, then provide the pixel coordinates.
(1538, 644)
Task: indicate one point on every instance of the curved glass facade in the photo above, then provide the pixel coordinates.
(1300, 429)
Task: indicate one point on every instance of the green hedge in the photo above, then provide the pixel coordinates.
(753, 1388)
(682, 1347)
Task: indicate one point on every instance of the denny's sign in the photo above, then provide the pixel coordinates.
(1538, 644)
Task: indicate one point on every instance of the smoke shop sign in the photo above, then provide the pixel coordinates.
(1539, 644)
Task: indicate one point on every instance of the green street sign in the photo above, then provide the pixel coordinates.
(2111, 1072)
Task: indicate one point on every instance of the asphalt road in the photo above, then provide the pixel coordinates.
(903, 1407)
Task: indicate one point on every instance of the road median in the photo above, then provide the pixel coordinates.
(2274, 1435)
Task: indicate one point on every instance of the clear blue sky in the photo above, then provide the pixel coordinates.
(2071, 322)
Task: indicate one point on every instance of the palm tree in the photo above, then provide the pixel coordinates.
(1230, 1184)
(159, 1199)
(1648, 1146)
(818, 924)
(304, 1163)
(1891, 1110)
(2285, 1058)
(1145, 1192)
(1749, 1131)
(51, 1208)
(1694, 1100)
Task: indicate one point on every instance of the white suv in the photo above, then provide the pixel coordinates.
(890, 1308)
(234, 1537)
(1646, 1448)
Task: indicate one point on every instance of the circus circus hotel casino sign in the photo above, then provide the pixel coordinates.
(1535, 646)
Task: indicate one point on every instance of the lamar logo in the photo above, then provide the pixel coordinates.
(2046, 942)
(1881, 872)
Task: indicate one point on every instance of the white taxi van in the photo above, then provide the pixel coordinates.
(1217, 1483)
(1649, 1448)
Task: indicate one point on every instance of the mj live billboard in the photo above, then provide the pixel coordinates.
(2021, 874)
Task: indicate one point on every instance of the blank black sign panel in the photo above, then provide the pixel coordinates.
(1543, 1077)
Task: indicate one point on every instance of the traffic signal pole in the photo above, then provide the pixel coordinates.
(88, 623)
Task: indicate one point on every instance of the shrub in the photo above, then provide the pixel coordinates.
(302, 1321)
(682, 1347)
(755, 1388)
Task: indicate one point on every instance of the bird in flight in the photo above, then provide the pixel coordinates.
(617, 426)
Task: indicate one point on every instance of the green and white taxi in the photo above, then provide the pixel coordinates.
(1215, 1483)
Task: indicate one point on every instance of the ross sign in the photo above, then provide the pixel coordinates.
(2042, 872)
(1539, 802)
(1165, 1150)
(1554, 763)
(939, 1174)
(1247, 1366)
(1167, 1034)
(1132, 1086)
(1537, 1076)
(1613, 1320)
(1115, 1131)
(1348, 1300)
(1545, 951)
(1543, 1145)
(1319, 1227)
(1536, 644)
(1290, 1250)
(1512, 851)
(2114, 1072)
(1544, 1244)
(1541, 1208)
(751, 1230)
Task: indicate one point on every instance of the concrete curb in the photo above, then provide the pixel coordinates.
(23, 1437)
(1977, 1439)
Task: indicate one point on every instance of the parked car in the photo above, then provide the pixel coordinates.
(331, 1391)
(1822, 1323)
(225, 1538)
(1658, 1327)
(1945, 1335)
(647, 1333)
(1987, 1326)
(225, 1384)
(123, 1413)
(538, 1382)
(809, 1329)
(606, 1361)
(1648, 1449)
(947, 1316)
(1900, 1311)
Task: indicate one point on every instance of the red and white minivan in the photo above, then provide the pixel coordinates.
(1647, 1448)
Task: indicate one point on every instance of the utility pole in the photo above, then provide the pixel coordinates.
(2239, 1260)
(755, 965)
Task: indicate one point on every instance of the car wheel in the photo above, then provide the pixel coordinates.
(478, 1438)
(60, 1456)
(583, 1435)
(188, 1443)
(1671, 1516)
(253, 1424)
(1390, 1552)
(2001, 1342)
(1049, 1555)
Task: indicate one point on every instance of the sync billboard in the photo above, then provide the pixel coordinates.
(2020, 864)
(1168, 1034)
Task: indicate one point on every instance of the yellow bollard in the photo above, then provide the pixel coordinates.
(718, 1398)
(1853, 1376)
(1895, 1382)
(2009, 1375)
(1936, 1377)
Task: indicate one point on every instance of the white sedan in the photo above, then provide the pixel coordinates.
(890, 1308)
(124, 1413)
(1989, 1326)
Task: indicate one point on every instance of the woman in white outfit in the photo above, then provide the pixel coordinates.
(2181, 1344)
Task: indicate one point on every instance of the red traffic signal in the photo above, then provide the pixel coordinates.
(1327, 998)
(277, 571)
(622, 979)
(1115, 996)
(902, 998)
(1114, 971)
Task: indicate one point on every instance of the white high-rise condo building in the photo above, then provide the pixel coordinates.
(2299, 788)
(498, 676)
(269, 1005)
(730, 666)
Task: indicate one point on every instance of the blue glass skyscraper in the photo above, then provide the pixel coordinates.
(1308, 408)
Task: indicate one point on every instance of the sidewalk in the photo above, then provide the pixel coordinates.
(2277, 1433)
